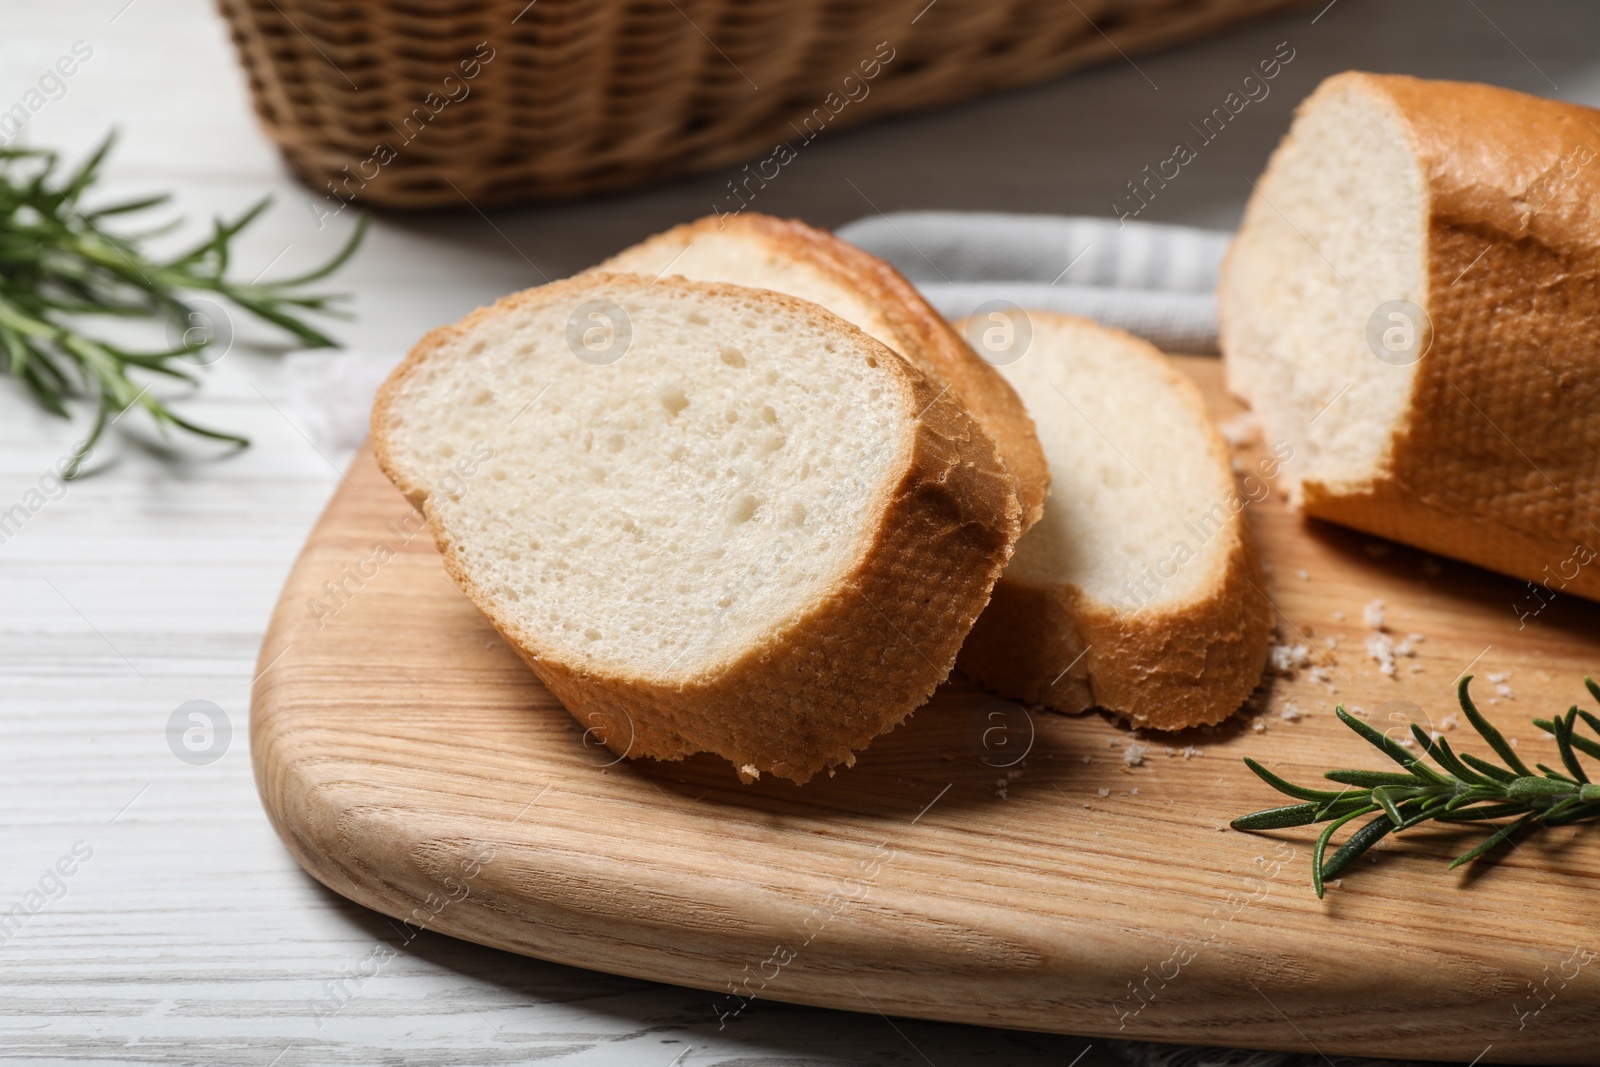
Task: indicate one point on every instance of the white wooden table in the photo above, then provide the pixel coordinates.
(188, 934)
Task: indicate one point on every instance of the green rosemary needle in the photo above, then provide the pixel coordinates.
(1463, 788)
(61, 263)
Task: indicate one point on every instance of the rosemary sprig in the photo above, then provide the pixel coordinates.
(60, 263)
(1463, 788)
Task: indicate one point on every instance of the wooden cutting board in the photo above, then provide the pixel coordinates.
(980, 864)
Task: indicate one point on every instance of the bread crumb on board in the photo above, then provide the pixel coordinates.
(1287, 659)
(1373, 615)
(1499, 679)
(1133, 755)
(1381, 650)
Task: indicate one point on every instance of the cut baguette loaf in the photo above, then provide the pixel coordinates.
(1139, 590)
(709, 518)
(1410, 305)
(788, 256)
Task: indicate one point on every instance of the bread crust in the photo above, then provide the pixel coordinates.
(1497, 458)
(842, 670)
(1190, 662)
(919, 332)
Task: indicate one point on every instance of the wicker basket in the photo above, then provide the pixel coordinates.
(429, 103)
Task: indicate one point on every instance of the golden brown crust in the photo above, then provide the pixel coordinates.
(916, 330)
(848, 668)
(1189, 663)
(1498, 458)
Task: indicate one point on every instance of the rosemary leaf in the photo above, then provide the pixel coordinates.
(1370, 779)
(1323, 838)
(1358, 843)
(1496, 740)
(1499, 774)
(1493, 840)
(1388, 746)
(1289, 789)
(1564, 739)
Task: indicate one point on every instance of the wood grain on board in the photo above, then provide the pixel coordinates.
(980, 864)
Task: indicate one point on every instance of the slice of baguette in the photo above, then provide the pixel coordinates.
(788, 256)
(709, 518)
(1410, 306)
(1139, 590)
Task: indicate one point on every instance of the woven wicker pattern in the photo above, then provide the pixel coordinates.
(424, 103)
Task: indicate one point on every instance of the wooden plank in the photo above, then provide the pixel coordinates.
(412, 763)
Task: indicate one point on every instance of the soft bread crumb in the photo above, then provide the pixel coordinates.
(1123, 560)
(638, 527)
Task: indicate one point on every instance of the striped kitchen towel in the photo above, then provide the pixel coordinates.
(1153, 280)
